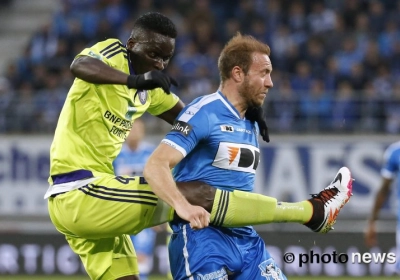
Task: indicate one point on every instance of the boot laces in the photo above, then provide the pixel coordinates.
(326, 195)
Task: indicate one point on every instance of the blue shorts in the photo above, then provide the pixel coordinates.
(220, 253)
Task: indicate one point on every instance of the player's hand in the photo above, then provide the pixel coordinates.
(370, 235)
(151, 80)
(197, 216)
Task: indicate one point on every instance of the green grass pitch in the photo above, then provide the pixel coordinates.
(25, 277)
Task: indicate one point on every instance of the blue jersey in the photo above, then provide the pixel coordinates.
(130, 162)
(391, 168)
(219, 148)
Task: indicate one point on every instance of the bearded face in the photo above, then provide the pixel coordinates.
(257, 81)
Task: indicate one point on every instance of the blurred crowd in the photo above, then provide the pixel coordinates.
(336, 63)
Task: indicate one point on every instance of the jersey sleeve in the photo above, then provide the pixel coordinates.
(191, 127)
(161, 102)
(112, 52)
(390, 165)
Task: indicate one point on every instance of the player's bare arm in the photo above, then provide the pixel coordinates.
(95, 71)
(381, 196)
(158, 174)
(170, 115)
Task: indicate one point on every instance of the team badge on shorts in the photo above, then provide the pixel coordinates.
(269, 270)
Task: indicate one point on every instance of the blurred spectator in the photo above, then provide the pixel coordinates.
(259, 30)
(331, 74)
(376, 14)
(115, 13)
(281, 43)
(5, 101)
(348, 56)
(201, 85)
(49, 102)
(388, 38)
(282, 108)
(245, 13)
(357, 77)
(372, 59)
(383, 82)
(372, 109)
(321, 19)
(297, 21)
(232, 25)
(43, 44)
(350, 8)
(188, 60)
(392, 110)
(315, 55)
(394, 61)
(22, 116)
(361, 33)
(302, 79)
(315, 108)
(333, 39)
(273, 14)
(345, 109)
(77, 34)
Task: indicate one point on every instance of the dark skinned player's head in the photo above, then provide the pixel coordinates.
(152, 42)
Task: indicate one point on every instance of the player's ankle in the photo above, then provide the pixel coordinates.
(317, 216)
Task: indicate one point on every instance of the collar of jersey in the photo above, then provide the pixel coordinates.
(131, 71)
(227, 103)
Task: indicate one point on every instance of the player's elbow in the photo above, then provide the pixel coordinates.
(80, 67)
(147, 171)
(75, 66)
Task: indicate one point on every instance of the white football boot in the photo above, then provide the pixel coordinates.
(328, 203)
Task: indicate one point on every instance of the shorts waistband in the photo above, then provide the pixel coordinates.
(71, 176)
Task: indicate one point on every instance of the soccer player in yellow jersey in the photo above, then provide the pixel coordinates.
(114, 85)
(96, 211)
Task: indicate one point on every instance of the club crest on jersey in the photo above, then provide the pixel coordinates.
(269, 270)
(239, 157)
(142, 96)
(182, 127)
(227, 128)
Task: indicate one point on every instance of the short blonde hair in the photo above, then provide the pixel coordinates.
(238, 52)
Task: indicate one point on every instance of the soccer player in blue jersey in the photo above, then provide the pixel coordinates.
(215, 140)
(390, 172)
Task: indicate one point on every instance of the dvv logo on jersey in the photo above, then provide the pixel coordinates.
(239, 157)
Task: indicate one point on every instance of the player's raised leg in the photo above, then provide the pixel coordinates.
(237, 208)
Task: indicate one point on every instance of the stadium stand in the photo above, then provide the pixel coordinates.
(333, 60)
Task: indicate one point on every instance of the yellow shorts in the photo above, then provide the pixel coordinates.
(97, 220)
